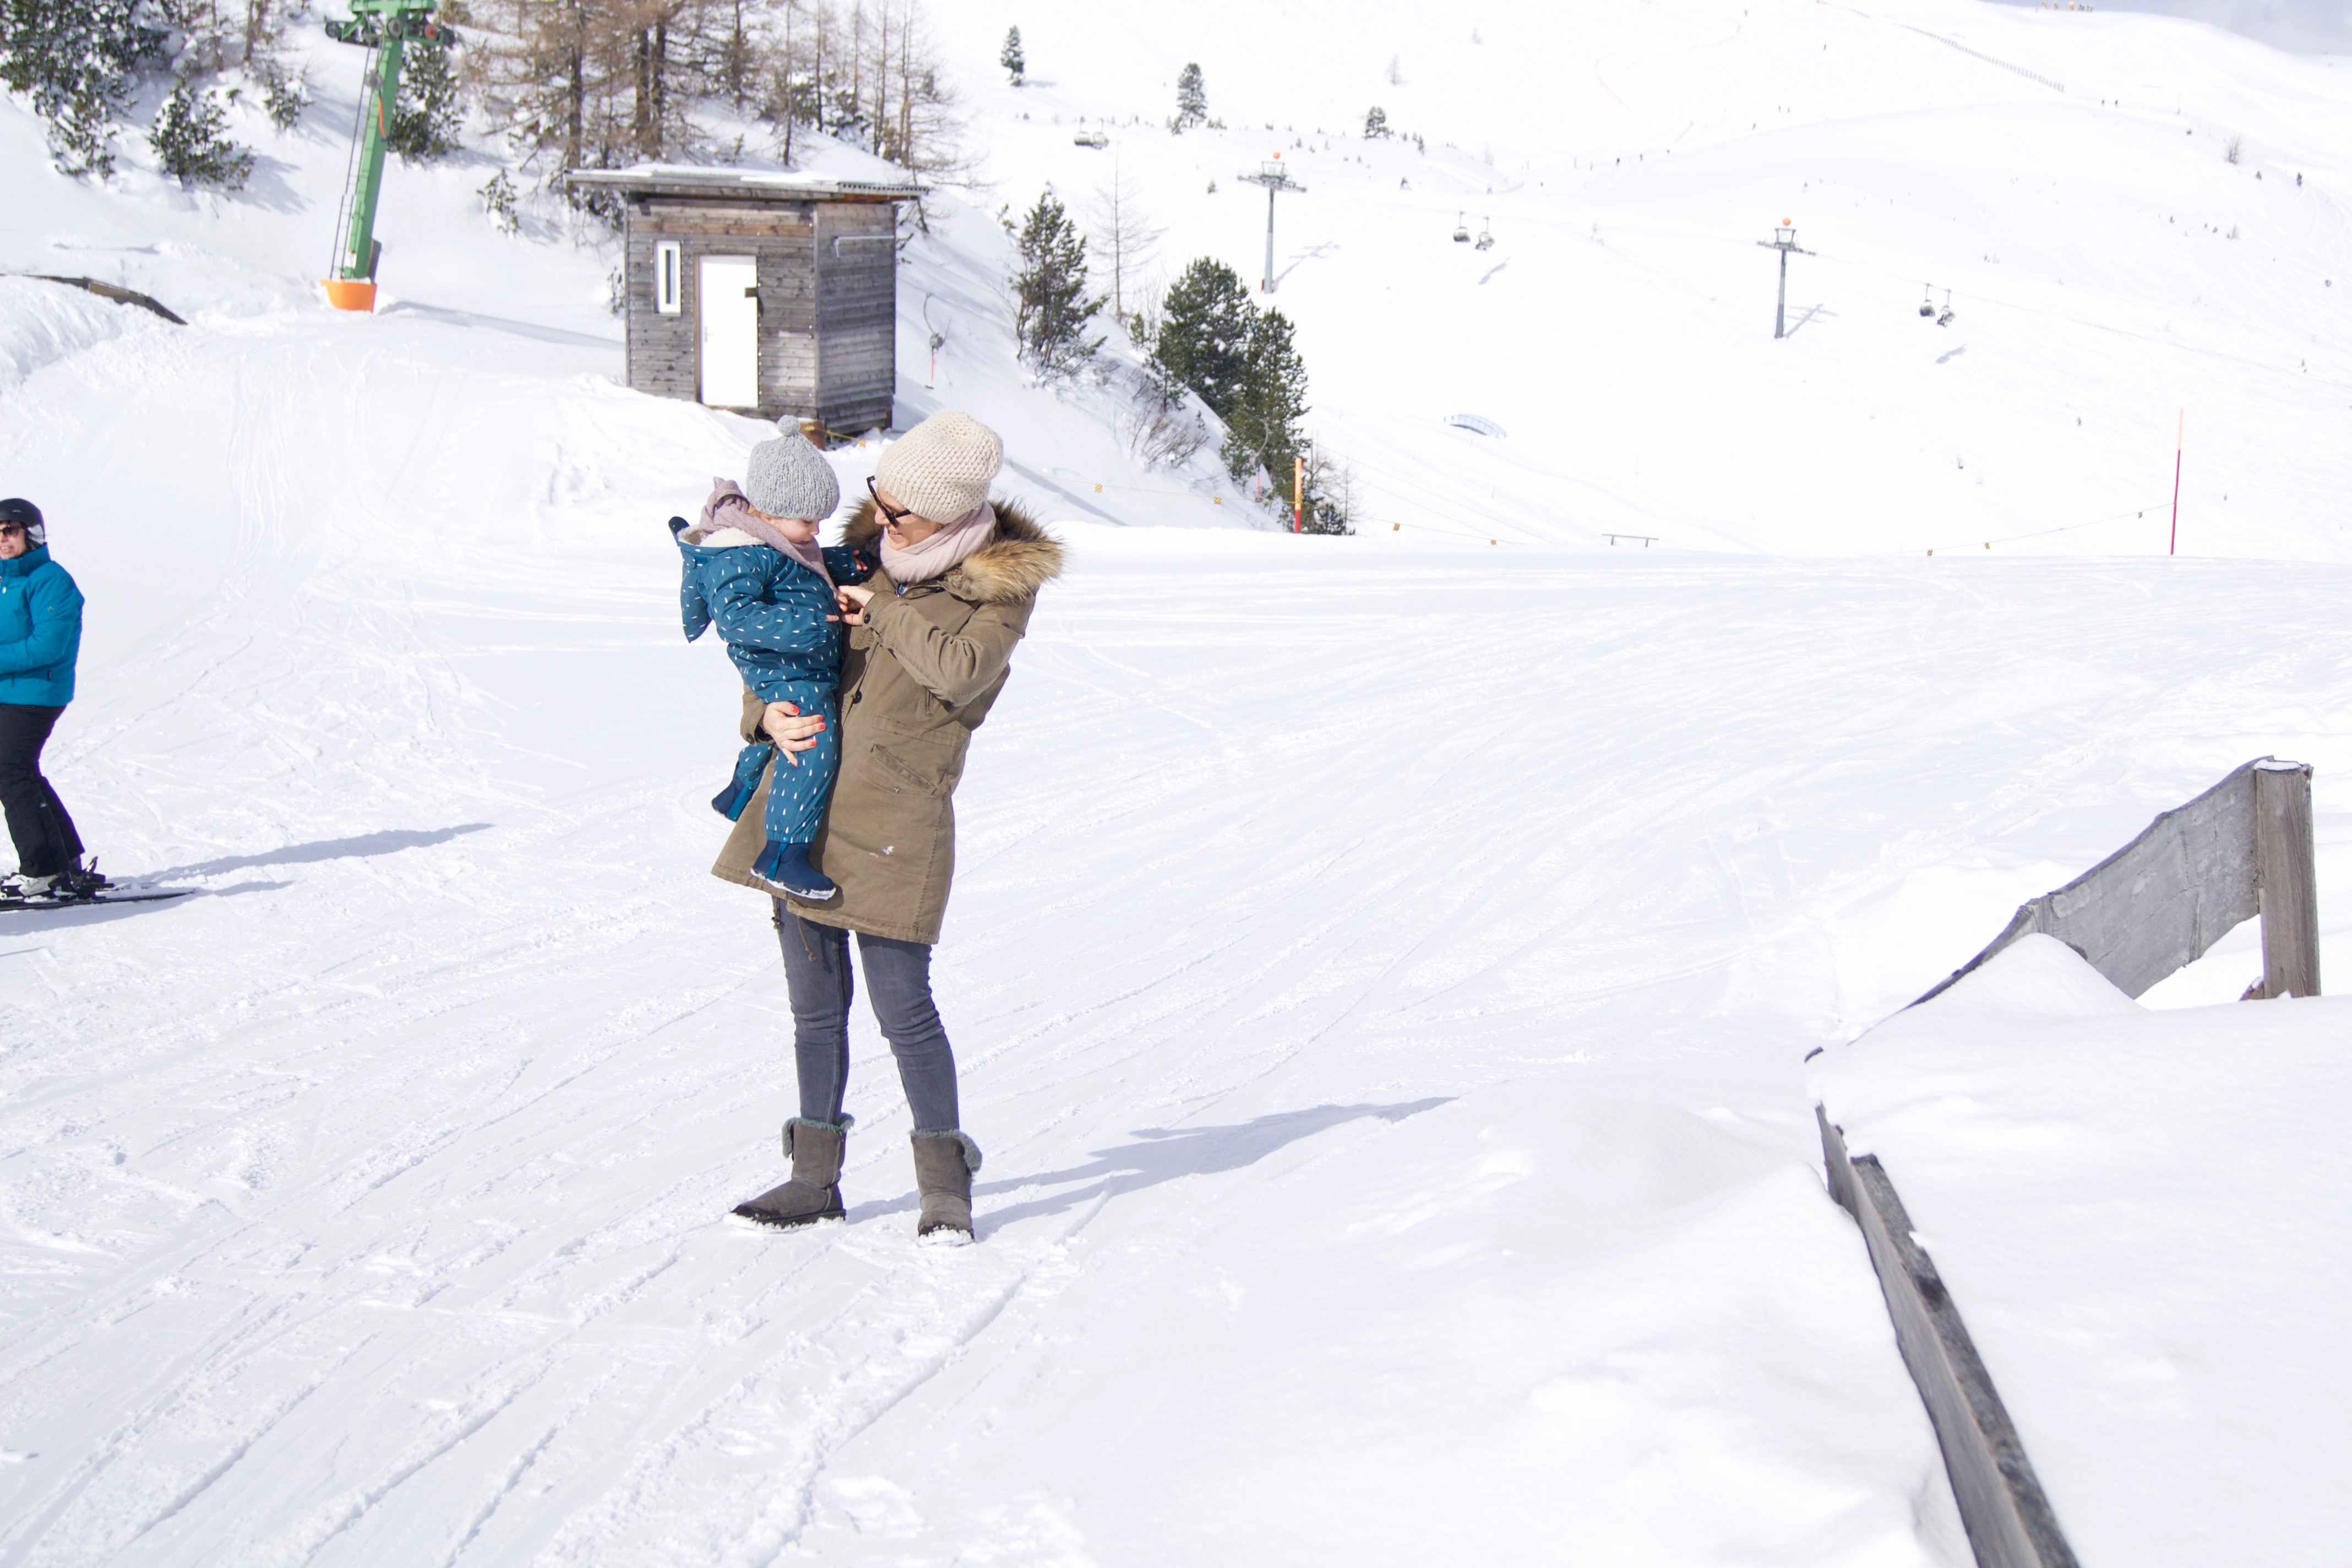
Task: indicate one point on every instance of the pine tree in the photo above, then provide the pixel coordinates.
(1204, 334)
(1051, 307)
(428, 117)
(1376, 123)
(499, 200)
(74, 58)
(191, 141)
(1011, 58)
(1262, 432)
(1191, 100)
(285, 94)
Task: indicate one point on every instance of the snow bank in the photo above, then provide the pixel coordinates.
(43, 322)
(2146, 1219)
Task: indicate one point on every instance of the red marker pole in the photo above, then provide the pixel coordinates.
(2179, 440)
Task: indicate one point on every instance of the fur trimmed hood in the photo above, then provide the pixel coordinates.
(1011, 567)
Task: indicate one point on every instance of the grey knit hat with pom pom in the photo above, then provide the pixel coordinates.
(788, 477)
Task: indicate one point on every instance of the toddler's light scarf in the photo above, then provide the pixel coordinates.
(943, 550)
(727, 508)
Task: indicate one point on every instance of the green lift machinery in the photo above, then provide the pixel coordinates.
(385, 29)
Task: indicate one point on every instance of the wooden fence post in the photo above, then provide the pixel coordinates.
(2290, 885)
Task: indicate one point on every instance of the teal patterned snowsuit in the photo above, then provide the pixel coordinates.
(775, 616)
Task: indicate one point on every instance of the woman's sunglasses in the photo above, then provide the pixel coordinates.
(8, 528)
(891, 514)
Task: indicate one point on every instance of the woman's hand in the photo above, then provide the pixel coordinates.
(791, 731)
(853, 600)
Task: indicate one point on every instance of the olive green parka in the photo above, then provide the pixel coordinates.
(916, 680)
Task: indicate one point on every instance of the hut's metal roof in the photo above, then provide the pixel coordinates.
(781, 185)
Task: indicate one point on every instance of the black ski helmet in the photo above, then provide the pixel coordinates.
(17, 509)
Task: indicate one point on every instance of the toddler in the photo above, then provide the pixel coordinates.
(753, 569)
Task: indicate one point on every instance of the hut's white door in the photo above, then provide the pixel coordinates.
(730, 310)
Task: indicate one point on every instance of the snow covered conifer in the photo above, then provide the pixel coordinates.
(1011, 59)
(1191, 100)
(1051, 306)
(1204, 333)
(1263, 429)
(499, 199)
(74, 59)
(191, 141)
(1376, 123)
(285, 94)
(426, 123)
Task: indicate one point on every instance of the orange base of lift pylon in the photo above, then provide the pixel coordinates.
(350, 293)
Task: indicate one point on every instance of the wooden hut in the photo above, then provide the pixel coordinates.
(775, 294)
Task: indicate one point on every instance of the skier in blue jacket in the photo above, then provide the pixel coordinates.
(753, 569)
(40, 635)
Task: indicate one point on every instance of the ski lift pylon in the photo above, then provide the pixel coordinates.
(386, 29)
(1461, 229)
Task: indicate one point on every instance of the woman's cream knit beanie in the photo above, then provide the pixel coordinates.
(943, 468)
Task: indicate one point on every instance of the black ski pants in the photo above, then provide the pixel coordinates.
(47, 843)
(898, 983)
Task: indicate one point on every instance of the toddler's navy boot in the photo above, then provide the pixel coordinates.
(785, 868)
(730, 802)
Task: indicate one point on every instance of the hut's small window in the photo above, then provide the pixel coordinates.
(665, 274)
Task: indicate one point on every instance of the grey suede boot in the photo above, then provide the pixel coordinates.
(944, 1165)
(814, 1148)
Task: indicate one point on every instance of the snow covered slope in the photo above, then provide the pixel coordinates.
(1379, 967)
(458, 289)
(2065, 175)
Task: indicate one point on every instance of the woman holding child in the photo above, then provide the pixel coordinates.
(949, 582)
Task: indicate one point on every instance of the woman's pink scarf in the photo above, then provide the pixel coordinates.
(943, 550)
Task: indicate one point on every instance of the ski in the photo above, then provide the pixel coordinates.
(88, 900)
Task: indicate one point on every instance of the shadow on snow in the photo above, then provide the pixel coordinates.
(391, 841)
(1163, 1154)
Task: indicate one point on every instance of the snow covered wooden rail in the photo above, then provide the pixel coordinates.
(114, 291)
(2242, 849)
(2009, 1521)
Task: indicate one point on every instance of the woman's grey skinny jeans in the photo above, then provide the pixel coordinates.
(898, 983)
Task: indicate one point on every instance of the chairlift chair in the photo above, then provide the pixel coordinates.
(1945, 319)
(1927, 301)
(1486, 235)
(1461, 229)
